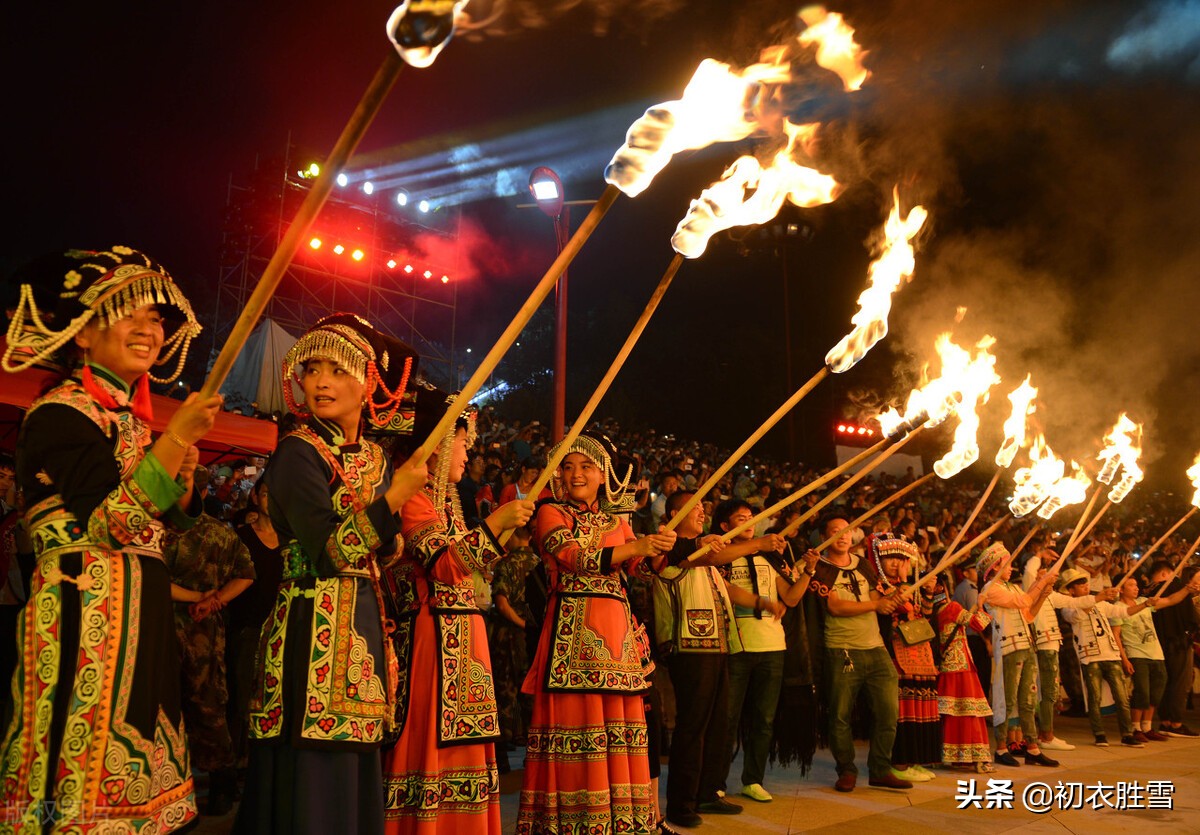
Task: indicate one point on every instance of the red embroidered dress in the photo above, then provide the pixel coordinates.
(966, 732)
(97, 738)
(441, 777)
(587, 771)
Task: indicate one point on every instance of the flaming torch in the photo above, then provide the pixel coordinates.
(1194, 474)
(419, 30)
(964, 381)
(1120, 454)
(719, 104)
(848, 352)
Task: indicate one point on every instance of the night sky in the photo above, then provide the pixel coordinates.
(1054, 145)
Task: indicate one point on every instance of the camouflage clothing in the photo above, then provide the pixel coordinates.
(204, 559)
(510, 657)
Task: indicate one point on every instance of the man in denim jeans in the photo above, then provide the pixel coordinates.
(1099, 651)
(855, 657)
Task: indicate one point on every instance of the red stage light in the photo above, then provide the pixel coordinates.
(391, 263)
(339, 249)
(358, 255)
(841, 427)
(315, 243)
(445, 279)
(408, 268)
(428, 274)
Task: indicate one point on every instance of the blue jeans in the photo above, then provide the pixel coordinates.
(758, 676)
(872, 669)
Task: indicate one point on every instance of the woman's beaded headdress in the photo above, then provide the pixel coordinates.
(80, 286)
(383, 365)
(601, 451)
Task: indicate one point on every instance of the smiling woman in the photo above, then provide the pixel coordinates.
(97, 733)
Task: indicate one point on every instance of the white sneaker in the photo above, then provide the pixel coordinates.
(1055, 744)
(755, 791)
(920, 769)
(911, 775)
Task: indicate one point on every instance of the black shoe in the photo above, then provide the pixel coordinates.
(688, 820)
(1040, 759)
(1006, 759)
(720, 806)
(664, 828)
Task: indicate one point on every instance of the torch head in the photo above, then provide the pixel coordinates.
(420, 29)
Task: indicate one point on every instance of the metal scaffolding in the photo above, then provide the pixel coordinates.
(414, 305)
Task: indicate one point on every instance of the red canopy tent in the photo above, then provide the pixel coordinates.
(233, 435)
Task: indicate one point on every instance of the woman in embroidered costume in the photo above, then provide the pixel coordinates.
(586, 766)
(324, 686)
(97, 738)
(918, 730)
(441, 774)
(966, 729)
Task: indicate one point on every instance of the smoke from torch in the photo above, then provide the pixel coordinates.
(1121, 453)
(1022, 398)
(749, 193)
(895, 263)
(420, 29)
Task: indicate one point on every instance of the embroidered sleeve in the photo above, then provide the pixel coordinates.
(299, 484)
(65, 452)
(553, 530)
(450, 558)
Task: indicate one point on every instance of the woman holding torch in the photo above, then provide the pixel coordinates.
(97, 737)
(325, 684)
(586, 767)
(441, 775)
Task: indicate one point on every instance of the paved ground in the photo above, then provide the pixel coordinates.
(809, 804)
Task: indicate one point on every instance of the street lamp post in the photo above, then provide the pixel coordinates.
(547, 191)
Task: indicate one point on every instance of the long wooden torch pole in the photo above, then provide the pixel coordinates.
(716, 477)
(352, 133)
(1156, 545)
(864, 517)
(792, 497)
(543, 288)
(589, 408)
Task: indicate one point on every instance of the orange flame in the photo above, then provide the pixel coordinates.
(717, 105)
(1014, 428)
(1068, 490)
(975, 381)
(721, 104)
(1033, 483)
(1193, 473)
(1121, 452)
(749, 193)
(963, 378)
(895, 263)
(836, 49)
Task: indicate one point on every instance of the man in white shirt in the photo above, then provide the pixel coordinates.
(1100, 654)
(1048, 640)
